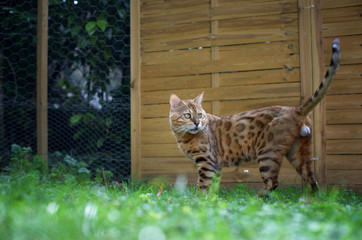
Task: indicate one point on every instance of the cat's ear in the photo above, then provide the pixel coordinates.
(199, 98)
(175, 101)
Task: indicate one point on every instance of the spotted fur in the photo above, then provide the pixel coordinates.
(265, 135)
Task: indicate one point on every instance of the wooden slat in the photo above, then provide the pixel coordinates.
(353, 131)
(327, 4)
(228, 93)
(259, 77)
(344, 146)
(177, 83)
(160, 150)
(176, 15)
(345, 87)
(233, 107)
(227, 54)
(341, 162)
(135, 91)
(351, 50)
(161, 124)
(230, 32)
(164, 7)
(342, 14)
(344, 177)
(344, 116)
(155, 137)
(334, 102)
(342, 28)
(347, 72)
(169, 164)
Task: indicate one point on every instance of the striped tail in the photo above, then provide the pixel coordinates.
(318, 95)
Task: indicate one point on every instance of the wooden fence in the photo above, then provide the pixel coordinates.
(245, 55)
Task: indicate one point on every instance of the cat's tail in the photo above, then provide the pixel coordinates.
(318, 95)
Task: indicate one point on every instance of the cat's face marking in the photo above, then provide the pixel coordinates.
(187, 116)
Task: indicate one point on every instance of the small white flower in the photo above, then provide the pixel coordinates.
(52, 208)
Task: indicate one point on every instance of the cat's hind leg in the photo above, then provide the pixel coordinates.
(299, 155)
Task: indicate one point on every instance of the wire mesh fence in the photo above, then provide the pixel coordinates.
(88, 82)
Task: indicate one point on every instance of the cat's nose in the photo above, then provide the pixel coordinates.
(197, 122)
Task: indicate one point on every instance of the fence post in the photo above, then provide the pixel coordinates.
(42, 81)
(135, 91)
(311, 71)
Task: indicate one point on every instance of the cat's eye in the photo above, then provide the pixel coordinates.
(187, 115)
(199, 115)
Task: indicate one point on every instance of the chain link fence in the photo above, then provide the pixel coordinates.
(88, 82)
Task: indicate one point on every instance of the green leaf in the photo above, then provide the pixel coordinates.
(90, 27)
(102, 24)
(76, 30)
(100, 142)
(94, 40)
(74, 120)
(109, 122)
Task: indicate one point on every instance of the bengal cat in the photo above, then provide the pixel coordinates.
(266, 135)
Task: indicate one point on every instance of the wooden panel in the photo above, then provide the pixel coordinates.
(228, 93)
(342, 14)
(348, 72)
(259, 77)
(160, 150)
(353, 131)
(352, 162)
(169, 164)
(346, 87)
(344, 101)
(177, 83)
(344, 146)
(153, 137)
(230, 32)
(175, 16)
(233, 107)
(342, 28)
(326, 4)
(344, 116)
(344, 177)
(135, 91)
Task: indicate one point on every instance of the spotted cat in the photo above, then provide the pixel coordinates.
(265, 135)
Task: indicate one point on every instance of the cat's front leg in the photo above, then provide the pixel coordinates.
(208, 174)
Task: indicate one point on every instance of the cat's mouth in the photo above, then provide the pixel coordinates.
(194, 130)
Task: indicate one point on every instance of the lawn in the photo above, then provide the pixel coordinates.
(34, 208)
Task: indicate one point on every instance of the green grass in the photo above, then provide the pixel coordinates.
(34, 209)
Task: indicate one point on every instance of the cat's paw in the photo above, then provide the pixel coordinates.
(305, 131)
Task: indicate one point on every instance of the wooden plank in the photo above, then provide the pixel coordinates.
(161, 124)
(344, 162)
(42, 81)
(242, 63)
(342, 28)
(353, 131)
(342, 14)
(168, 164)
(231, 32)
(165, 7)
(233, 107)
(327, 4)
(188, 56)
(160, 150)
(176, 16)
(228, 93)
(177, 83)
(335, 102)
(259, 77)
(344, 177)
(344, 146)
(227, 54)
(346, 87)
(348, 72)
(344, 116)
(155, 137)
(351, 49)
(135, 91)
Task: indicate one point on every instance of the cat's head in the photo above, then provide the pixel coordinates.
(187, 116)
